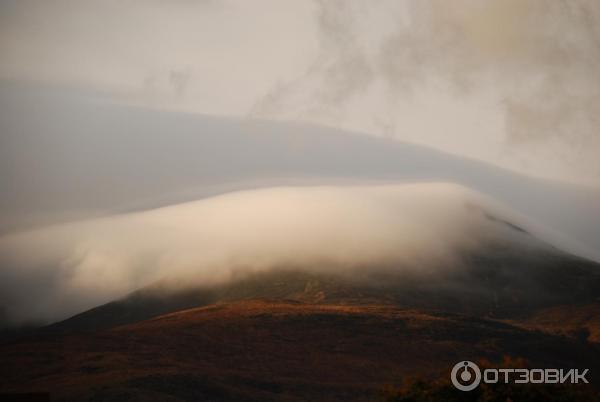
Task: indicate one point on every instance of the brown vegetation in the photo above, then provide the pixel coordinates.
(261, 350)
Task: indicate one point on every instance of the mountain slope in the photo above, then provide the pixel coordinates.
(510, 282)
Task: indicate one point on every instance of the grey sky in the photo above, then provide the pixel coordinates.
(513, 83)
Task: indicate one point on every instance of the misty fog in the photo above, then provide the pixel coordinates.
(51, 273)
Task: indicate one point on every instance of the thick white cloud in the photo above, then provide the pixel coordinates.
(50, 273)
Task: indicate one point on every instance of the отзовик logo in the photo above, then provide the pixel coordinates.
(465, 375)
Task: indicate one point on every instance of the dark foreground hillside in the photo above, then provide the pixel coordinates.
(260, 350)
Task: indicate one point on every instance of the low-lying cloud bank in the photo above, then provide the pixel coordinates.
(51, 273)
